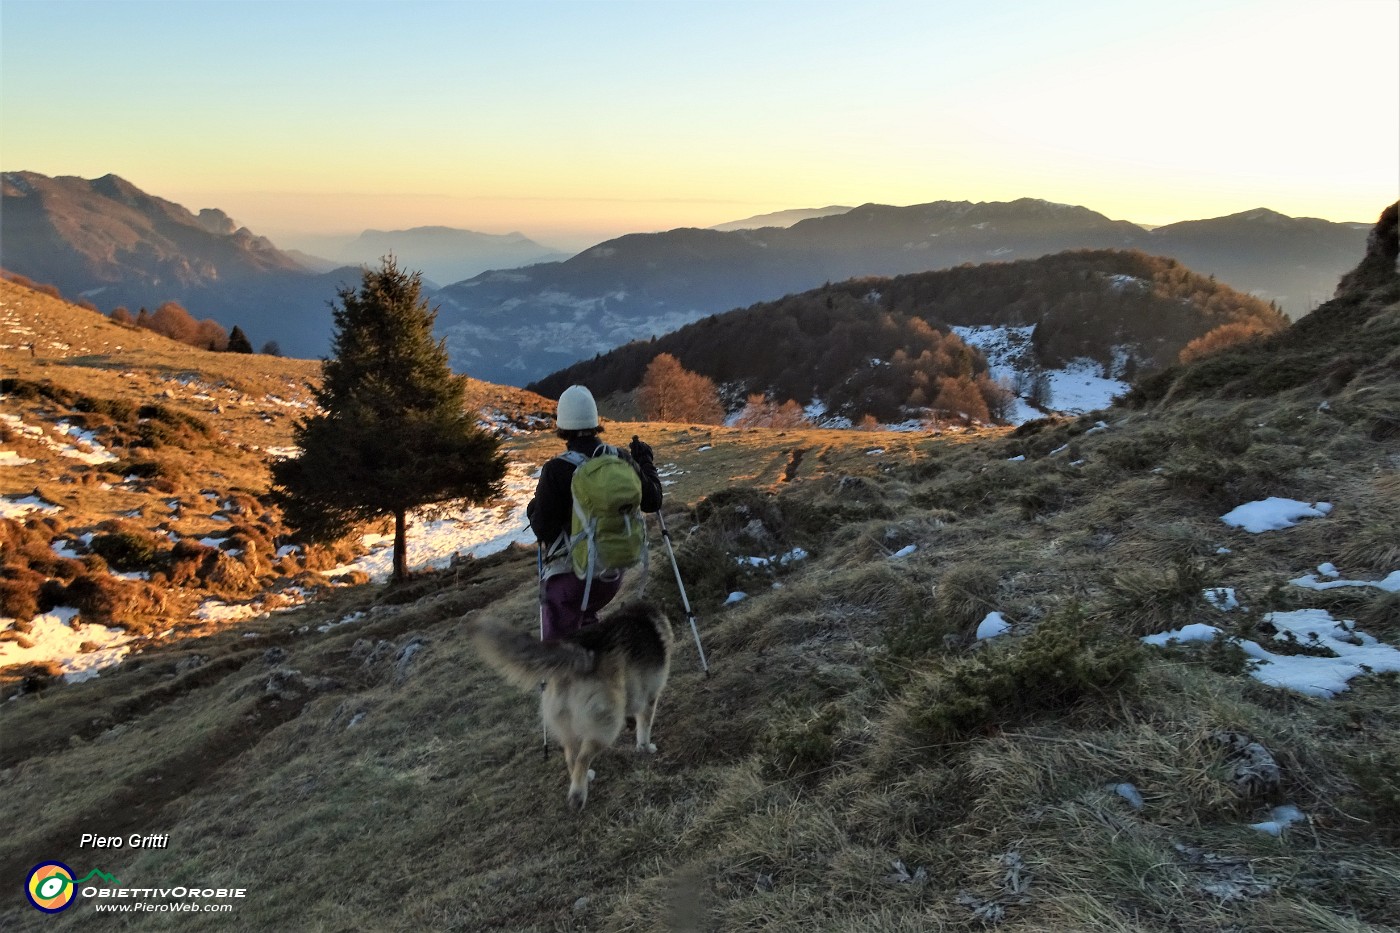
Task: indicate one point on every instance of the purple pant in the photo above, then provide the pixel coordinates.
(561, 603)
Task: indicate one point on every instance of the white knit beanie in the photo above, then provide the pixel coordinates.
(577, 410)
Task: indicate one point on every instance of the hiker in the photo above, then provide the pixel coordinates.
(551, 515)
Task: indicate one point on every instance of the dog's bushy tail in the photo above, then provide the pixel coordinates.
(525, 661)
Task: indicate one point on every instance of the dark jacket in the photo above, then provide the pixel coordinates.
(551, 511)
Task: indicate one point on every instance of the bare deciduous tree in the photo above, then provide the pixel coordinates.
(670, 392)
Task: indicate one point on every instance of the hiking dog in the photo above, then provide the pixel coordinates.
(593, 680)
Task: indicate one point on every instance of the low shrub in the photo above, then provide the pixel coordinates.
(1377, 777)
(734, 524)
(747, 518)
(1137, 452)
(34, 391)
(1036, 426)
(1375, 548)
(19, 592)
(191, 562)
(1226, 656)
(910, 637)
(130, 550)
(1065, 661)
(143, 469)
(969, 491)
(1225, 437)
(119, 410)
(1042, 496)
(94, 597)
(1381, 616)
(832, 502)
(707, 567)
(1143, 601)
(230, 577)
(801, 743)
(161, 425)
(1201, 476)
(27, 546)
(107, 600)
(965, 594)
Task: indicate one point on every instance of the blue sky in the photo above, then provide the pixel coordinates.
(573, 121)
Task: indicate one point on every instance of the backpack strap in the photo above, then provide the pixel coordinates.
(590, 529)
(561, 544)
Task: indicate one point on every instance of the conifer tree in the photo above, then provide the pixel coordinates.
(238, 341)
(392, 434)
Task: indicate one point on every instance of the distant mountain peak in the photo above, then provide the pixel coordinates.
(216, 221)
(118, 188)
(785, 218)
(1264, 214)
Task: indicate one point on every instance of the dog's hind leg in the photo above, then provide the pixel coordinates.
(579, 773)
(645, 713)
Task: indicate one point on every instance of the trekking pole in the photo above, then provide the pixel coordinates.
(539, 578)
(539, 569)
(685, 601)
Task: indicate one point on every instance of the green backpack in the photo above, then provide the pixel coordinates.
(608, 532)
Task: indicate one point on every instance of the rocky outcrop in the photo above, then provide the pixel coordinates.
(1380, 267)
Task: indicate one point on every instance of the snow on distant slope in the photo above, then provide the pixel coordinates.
(1010, 359)
(1007, 349)
(1079, 387)
(1082, 386)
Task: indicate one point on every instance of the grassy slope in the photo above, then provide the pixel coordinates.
(376, 776)
(250, 404)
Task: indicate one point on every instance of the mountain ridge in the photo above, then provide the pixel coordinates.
(519, 324)
(643, 285)
(443, 254)
(784, 218)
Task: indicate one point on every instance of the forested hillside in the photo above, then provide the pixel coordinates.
(883, 346)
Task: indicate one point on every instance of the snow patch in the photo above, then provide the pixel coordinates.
(1273, 514)
(1196, 632)
(476, 531)
(59, 637)
(1222, 598)
(1350, 653)
(993, 625)
(796, 554)
(1390, 584)
(1129, 793)
(17, 508)
(1280, 818)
